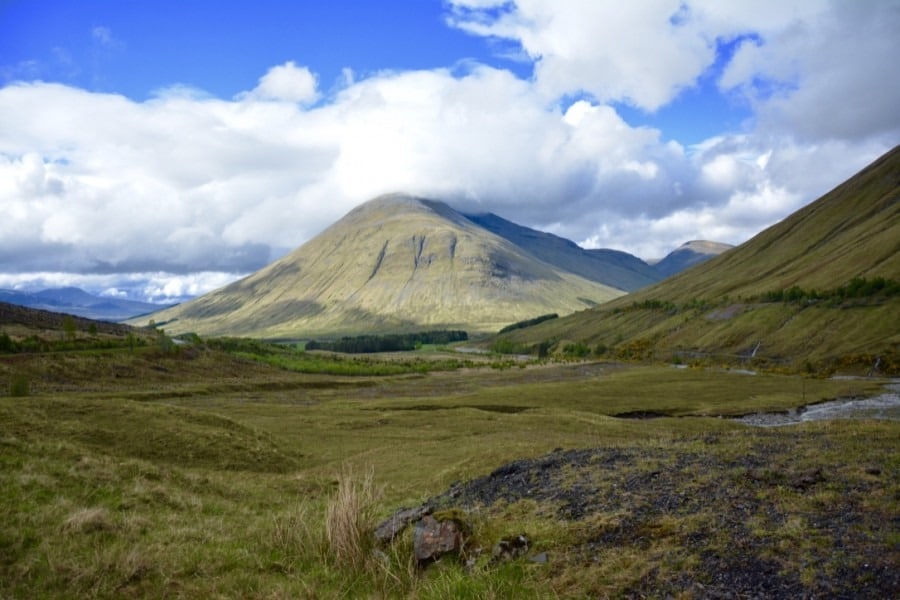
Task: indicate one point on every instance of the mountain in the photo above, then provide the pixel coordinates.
(610, 267)
(776, 297)
(687, 255)
(75, 301)
(396, 263)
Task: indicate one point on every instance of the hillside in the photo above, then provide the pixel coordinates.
(610, 267)
(14, 317)
(395, 263)
(75, 301)
(725, 307)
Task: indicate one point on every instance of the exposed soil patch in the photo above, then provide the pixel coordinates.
(496, 408)
(640, 414)
(771, 519)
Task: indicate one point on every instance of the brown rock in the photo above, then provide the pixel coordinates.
(433, 539)
(394, 526)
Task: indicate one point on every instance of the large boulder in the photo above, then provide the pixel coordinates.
(433, 539)
(393, 526)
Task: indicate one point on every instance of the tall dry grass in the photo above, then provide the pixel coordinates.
(350, 517)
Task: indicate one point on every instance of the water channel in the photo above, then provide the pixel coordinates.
(883, 406)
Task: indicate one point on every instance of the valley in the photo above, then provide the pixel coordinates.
(576, 441)
(196, 471)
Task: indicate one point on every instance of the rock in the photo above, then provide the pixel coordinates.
(540, 558)
(390, 528)
(804, 481)
(433, 539)
(510, 548)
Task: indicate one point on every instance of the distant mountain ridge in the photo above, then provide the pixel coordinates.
(687, 255)
(75, 301)
(611, 267)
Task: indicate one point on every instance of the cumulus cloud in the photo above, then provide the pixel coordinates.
(170, 195)
(642, 53)
(286, 82)
(814, 66)
(156, 287)
(823, 77)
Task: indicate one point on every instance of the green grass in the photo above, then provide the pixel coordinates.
(200, 474)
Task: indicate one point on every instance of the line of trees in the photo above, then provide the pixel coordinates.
(857, 288)
(529, 322)
(399, 342)
(67, 341)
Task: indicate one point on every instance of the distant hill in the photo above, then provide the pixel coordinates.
(396, 263)
(687, 255)
(610, 267)
(789, 294)
(34, 319)
(75, 301)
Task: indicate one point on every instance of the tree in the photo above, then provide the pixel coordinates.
(6, 343)
(69, 327)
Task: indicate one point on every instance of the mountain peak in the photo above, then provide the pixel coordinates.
(396, 263)
(401, 205)
(689, 254)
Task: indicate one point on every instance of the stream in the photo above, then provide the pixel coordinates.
(883, 406)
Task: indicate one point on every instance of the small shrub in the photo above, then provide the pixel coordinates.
(19, 386)
(578, 350)
(6, 343)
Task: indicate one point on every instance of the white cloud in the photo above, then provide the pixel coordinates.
(815, 66)
(640, 52)
(185, 183)
(157, 287)
(287, 82)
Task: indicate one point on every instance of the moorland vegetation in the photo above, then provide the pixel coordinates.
(206, 468)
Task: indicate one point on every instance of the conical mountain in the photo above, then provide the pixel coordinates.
(395, 263)
(732, 305)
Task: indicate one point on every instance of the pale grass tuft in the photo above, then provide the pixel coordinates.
(88, 520)
(292, 532)
(133, 566)
(349, 517)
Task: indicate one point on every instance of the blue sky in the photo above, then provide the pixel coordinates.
(136, 47)
(157, 149)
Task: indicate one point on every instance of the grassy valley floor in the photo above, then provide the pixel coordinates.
(200, 474)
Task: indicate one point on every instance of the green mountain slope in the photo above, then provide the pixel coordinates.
(395, 263)
(720, 308)
(853, 231)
